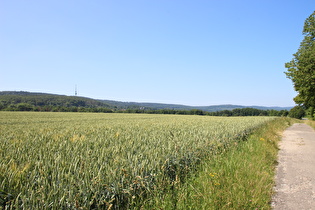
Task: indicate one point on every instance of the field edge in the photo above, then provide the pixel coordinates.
(241, 178)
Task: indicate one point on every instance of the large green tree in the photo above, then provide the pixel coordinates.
(301, 69)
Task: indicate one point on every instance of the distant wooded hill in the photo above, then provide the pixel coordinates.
(30, 101)
(212, 108)
(45, 99)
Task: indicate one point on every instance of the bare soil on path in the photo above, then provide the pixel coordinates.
(295, 178)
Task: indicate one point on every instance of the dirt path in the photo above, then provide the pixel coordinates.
(295, 179)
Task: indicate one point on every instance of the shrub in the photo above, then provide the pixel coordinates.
(297, 112)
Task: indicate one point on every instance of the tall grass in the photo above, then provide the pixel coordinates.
(85, 160)
(311, 123)
(240, 178)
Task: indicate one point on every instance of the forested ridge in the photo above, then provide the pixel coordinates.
(28, 101)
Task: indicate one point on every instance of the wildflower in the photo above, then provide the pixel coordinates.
(117, 134)
(213, 174)
(262, 139)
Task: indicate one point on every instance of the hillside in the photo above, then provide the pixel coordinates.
(14, 98)
(212, 108)
(11, 98)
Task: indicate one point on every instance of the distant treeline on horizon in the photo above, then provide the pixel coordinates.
(234, 112)
(41, 102)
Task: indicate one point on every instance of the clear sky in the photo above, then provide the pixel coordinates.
(191, 52)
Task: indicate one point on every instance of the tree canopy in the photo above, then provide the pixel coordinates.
(301, 69)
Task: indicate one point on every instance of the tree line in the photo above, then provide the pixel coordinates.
(227, 113)
(301, 70)
(51, 108)
(41, 102)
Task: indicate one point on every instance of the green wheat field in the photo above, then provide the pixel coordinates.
(92, 160)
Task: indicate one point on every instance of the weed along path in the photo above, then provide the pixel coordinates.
(295, 179)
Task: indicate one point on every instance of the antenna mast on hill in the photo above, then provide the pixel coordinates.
(75, 92)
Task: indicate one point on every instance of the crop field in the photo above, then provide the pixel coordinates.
(89, 160)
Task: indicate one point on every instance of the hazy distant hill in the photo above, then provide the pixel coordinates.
(45, 99)
(212, 108)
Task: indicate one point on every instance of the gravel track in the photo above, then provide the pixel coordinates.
(295, 175)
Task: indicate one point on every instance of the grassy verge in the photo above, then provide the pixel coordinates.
(241, 178)
(311, 123)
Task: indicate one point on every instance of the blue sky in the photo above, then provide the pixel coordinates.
(168, 51)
